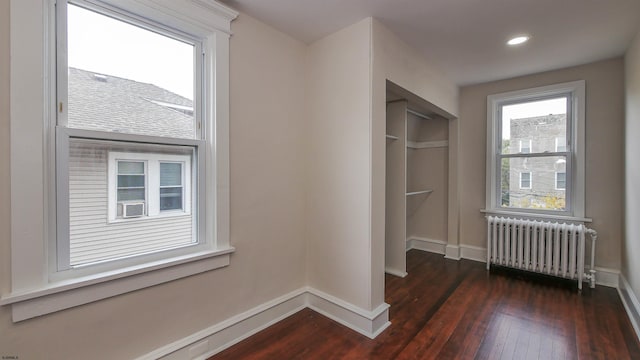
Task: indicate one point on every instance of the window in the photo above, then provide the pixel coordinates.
(525, 180)
(130, 189)
(552, 117)
(561, 180)
(131, 162)
(167, 192)
(116, 78)
(171, 189)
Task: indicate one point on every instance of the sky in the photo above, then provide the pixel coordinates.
(107, 46)
(531, 109)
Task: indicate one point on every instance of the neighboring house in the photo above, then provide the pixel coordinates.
(124, 201)
(537, 181)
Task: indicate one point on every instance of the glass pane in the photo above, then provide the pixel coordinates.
(170, 174)
(534, 127)
(171, 198)
(530, 183)
(130, 167)
(130, 194)
(123, 78)
(97, 229)
(128, 181)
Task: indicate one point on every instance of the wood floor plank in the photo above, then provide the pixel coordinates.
(447, 309)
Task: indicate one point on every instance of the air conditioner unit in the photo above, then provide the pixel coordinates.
(131, 210)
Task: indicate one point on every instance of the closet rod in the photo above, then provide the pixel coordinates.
(418, 114)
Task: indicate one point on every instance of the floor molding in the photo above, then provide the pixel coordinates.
(214, 339)
(607, 277)
(395, 272)
(474, 253)
(367, 323)
(424, 244)
(631, 304)
(452, 252)
(604, 276)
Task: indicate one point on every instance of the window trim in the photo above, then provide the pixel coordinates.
(576, 90)
(32, 133)
(529, 147)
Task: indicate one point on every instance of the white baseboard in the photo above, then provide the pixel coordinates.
(452, 252)
(424, 244)
(604, 276)
(607, 277)
(474, 253)
(395, 272)
(212, 340)
(367, 323)
(233, 330)
(631, 304)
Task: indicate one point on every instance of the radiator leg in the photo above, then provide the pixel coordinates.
(592, 269)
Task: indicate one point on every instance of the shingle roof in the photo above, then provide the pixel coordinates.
(109, 103)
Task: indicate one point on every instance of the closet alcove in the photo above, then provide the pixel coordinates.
(417, 178)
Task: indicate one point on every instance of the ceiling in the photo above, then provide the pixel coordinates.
(465, 39)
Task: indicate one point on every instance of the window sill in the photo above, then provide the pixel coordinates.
(533, 215)
(69, 293)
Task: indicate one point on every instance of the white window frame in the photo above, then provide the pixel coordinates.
(528, 147)
(575, 178)
(530, 180)
(34, 290)
(152, 161)
(556, 180)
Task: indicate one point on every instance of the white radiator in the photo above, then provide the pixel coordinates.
(556, 249)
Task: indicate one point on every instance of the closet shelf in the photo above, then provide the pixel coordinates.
(427, 144)
(391, 137)
(419, 192)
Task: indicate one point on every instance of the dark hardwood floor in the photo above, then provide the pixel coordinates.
(448, 309)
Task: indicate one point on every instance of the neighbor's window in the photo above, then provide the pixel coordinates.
(525, 146)
(171, 188)
(561, 144)
(525, 180)
(550, 118)
(561, 180)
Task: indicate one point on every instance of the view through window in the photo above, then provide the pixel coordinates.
(533, 154)
(130, 196)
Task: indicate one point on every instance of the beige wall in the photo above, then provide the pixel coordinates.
(428, 169)
(604, 151)
(5, 177)
(407, 68)
(338, 171)
(267, 217)
(631, 245)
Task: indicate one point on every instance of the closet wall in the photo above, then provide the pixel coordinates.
(416, 181)
(396, 189)
(427, 169)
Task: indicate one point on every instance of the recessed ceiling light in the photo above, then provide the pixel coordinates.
(518, 40)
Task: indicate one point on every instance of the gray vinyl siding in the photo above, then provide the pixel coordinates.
(92, 237)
